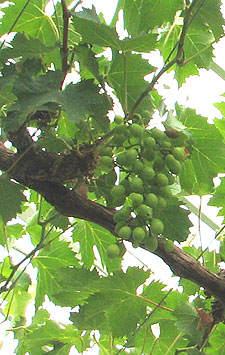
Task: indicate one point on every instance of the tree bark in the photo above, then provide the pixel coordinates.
(70, 203)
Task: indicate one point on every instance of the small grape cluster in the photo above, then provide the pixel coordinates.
(149, 162)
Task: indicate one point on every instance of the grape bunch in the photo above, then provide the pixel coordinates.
(149, 161)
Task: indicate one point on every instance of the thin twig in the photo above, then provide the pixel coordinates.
(64, 50)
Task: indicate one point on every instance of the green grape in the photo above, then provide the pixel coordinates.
(138, 234)
(149, 142)
(178, 154)
(136, 185)
(165, 192)
(122, 158)
(121, 129)
(157, 134)
(124, 212)
(151, 244)
(174, 165)
(151, 200)
(161, 202)
(157, 226)
(118, 139)
(171, 178)
(110, 178)
(125, 232)
(143, 211)
(138, 167)
(147, 174)
(169, 245)
(165, 144)
(119, 224)
(136, 199)
(118, 119)
(162, 179)
(131, 155)
(136, 130)
(117, 217)
(106, 161)
(148, 154)
(119, 200)
(106, 151)
(113, 251)
(118, 191)
(159, 164)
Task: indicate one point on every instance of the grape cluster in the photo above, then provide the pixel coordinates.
(149, 162)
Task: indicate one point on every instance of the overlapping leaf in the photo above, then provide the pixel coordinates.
(126, 76)
(11, 199)
(29, 17)
(49, 261)
(208, 155)
(117, 295)
(90, 235)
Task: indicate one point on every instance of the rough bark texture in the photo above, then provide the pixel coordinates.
(34, 168)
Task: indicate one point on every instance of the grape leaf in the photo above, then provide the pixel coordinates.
(134, 84)
(11, 198)
(76, 285)
(90, 235)
(93, 31)
(31, 19)
(26, 47)
(117, 295)
(208, 155)
(155, 13)
(49, 261)
(175, 220)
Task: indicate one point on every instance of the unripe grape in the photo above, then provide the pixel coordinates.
(178, 154)
(159, 164)
(118, 119)
(136, 199)
(106, 161)
(113, 251)
(165, 192)
(149, 142)
(138, 234)
(125, 232)
(148, 154)
(123, 213)
(162, 179)
(151, 243)
(121, 129)
(173, 164)
(157, 134)
(143, 211)
(169, 245)
(138, 167)
(110, 178)
(151, 200)
(147, 174)
(161, 202)
(106, 151)
(131, 155)
(157, 226)
(136, 185)
(118, 191)
(136, 130)
(119, 225)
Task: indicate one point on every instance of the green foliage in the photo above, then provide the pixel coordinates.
(82, 182)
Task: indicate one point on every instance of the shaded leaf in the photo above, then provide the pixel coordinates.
(11, 198)
(135, 68)
(49, 261)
